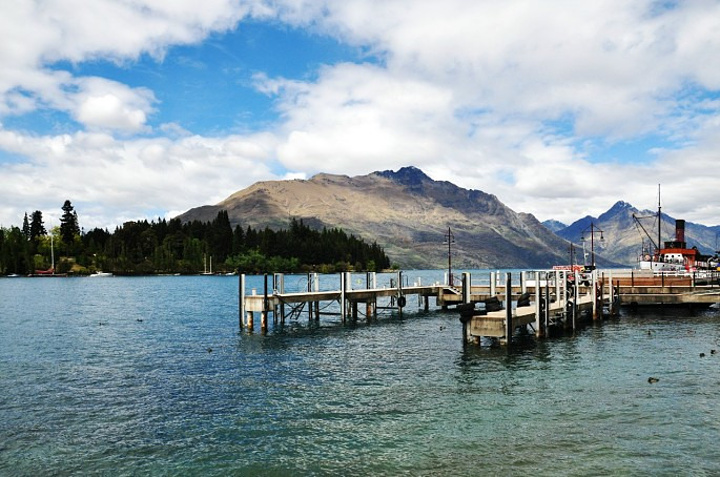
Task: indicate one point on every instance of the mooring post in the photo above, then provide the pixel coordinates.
(610, 293)
(594, 295)
(538, 309)
(316, 283)
(616, 298)
(401, 298)
(576, 291)
(280, 288)
(547, 304)
(343, 304)
(466, 284)
(266, 307)
(493, 285)
(274, 304)
(369, 286)
(601, 299)
(557, 274)
(309, 289)
(508, 309)
(241, 300)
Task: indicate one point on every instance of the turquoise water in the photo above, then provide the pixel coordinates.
(150, 376)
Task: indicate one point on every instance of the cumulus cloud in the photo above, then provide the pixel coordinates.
(109, 105)
(131, 178)
(37, 35)
(514, 98)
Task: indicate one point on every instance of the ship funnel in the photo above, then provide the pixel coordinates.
(680, 230)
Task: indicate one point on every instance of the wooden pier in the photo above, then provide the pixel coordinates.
(276, 302)
(643, 288)
(547, 302)
(536, 302)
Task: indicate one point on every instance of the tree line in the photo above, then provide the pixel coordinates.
(171, 246)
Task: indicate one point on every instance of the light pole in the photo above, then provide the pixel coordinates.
(593, 230)
(449, 239)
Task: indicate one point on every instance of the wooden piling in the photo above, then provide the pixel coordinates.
(241, 300)
(546, 314)
(400, 297)
(509, 329)
(466, 284)
(343, 302)
(280, 288)
(576, 290)
(538, 309)
(265, 307)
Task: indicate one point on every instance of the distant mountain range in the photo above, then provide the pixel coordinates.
(409, 215)
(625, 238)
(406, 212)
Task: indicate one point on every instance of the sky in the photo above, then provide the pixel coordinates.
(143, 109)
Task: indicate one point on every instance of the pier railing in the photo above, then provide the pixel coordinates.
(354, 293)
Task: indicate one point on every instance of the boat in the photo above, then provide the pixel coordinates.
(676, 256)
(101, 274)
(50, 272)
(673, 256)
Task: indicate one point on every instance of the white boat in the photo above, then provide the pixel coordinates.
(101, 274)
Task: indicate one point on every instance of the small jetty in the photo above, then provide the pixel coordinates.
(506, 306)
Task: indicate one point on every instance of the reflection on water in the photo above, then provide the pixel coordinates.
(150, 376)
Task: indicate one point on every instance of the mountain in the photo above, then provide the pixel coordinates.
(554, 225)
(623, 238)
(406, 212)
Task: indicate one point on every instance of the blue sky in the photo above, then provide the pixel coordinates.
(142, 109)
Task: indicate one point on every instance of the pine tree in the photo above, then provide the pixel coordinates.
(26, 227)
(37, 228)
(69, 227)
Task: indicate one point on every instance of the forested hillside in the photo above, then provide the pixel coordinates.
(172, 246)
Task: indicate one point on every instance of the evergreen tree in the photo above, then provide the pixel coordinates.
(26, 227)
(37, 228)
(69, 227)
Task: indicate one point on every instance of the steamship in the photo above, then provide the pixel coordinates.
(675, 256)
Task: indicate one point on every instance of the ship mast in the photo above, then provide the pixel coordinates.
(659, 221)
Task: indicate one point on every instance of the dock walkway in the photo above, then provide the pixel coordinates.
(537, 301)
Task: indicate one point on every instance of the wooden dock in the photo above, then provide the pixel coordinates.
(535, 302)
(638, 289)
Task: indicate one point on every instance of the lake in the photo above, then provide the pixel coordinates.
(151, 376)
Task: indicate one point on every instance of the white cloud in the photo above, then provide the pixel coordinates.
(498, 96)
(129, 178)
(109, 105)
(34, 35)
